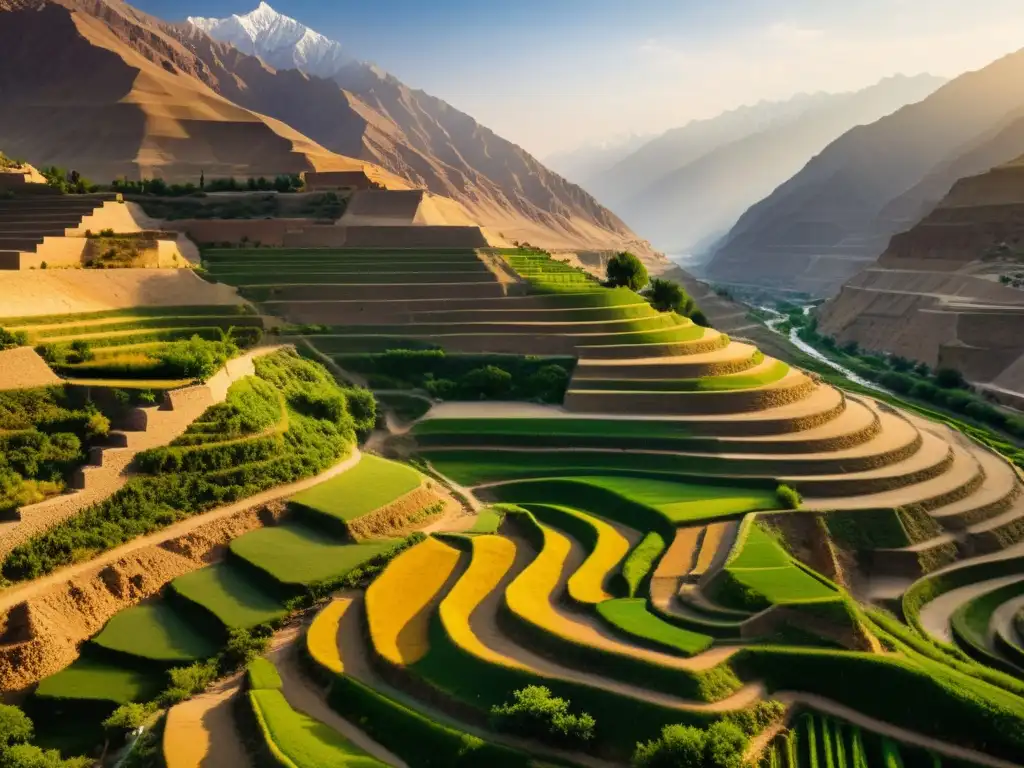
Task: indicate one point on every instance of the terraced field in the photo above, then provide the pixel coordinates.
(696, 537)
(131, 348)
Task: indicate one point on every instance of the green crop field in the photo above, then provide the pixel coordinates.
(97, 680)
(371, 484)
(763, 567)
(542, 427)
(775, 372)
(156, 632)
(683, 502)
(475, 467)
(631, 617)
(306, 742)
(297, 554)
(229, 595)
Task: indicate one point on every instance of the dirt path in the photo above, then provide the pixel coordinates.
(935, 614)
(306, 697)
(202, 733)
(829, 707)
(22, 592)
(352, 645)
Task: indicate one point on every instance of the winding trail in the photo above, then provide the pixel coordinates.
(303, 695)
(935, 614)
(202, 733)
(352, 645)
(19, 593)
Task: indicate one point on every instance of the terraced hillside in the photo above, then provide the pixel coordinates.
(137, 348)
(691, 543)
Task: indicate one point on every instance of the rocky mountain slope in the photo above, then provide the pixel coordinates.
(374, 116)
(836, 215)
(705, 197)
(936, 293)
(585, 163)
(121, 93)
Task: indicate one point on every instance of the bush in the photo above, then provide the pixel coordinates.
(667, 296)
(488, 382)
(196, 358)
(128, 717)
(536, 713)
(789, 497)
(625, 270)
(950, 378)
(243, 647)
(12, 339)
(15, 725)
(680, 746)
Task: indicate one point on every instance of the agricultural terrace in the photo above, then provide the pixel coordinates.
(214, 617)
(140, 348)
(683, 541)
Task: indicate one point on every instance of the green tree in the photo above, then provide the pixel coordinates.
(625, 270)
(665, 295)
(679, 746)
(15, 725)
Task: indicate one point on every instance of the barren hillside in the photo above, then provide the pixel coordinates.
(936, 295)
(121, 93)
(825, 224)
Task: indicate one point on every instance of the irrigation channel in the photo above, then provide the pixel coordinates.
(778, 318)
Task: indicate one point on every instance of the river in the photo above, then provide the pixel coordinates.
(778, 318)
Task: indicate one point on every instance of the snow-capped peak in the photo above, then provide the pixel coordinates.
(282, 42)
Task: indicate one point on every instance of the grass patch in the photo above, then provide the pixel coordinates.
(156, 632)
(302, 740)
(631, 617)
(295, 554)
(640, 561)
(488, 521)
(685, 503)
(228, 594)
(369, 485)
(96, 680)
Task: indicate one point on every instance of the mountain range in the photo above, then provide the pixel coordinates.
(837, 215)
(122, 93)
(681, 206)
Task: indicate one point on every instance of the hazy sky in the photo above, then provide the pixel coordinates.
(555, 74)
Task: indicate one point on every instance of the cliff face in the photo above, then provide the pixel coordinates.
(98, 86)
(935, 294)
(836, 216)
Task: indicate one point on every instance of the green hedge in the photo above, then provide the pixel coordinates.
(638, 566)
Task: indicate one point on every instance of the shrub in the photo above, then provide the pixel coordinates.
(12, 339)
(188, 681)
(789, 497)
(97, 426)
(196, 358)
(15, 725)
(627, 271)
(128, 717)
(720, 746)
(950, 378)
(488, 382)
(700, 319)
(548, 383)
(534, 712)
(243, 646)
